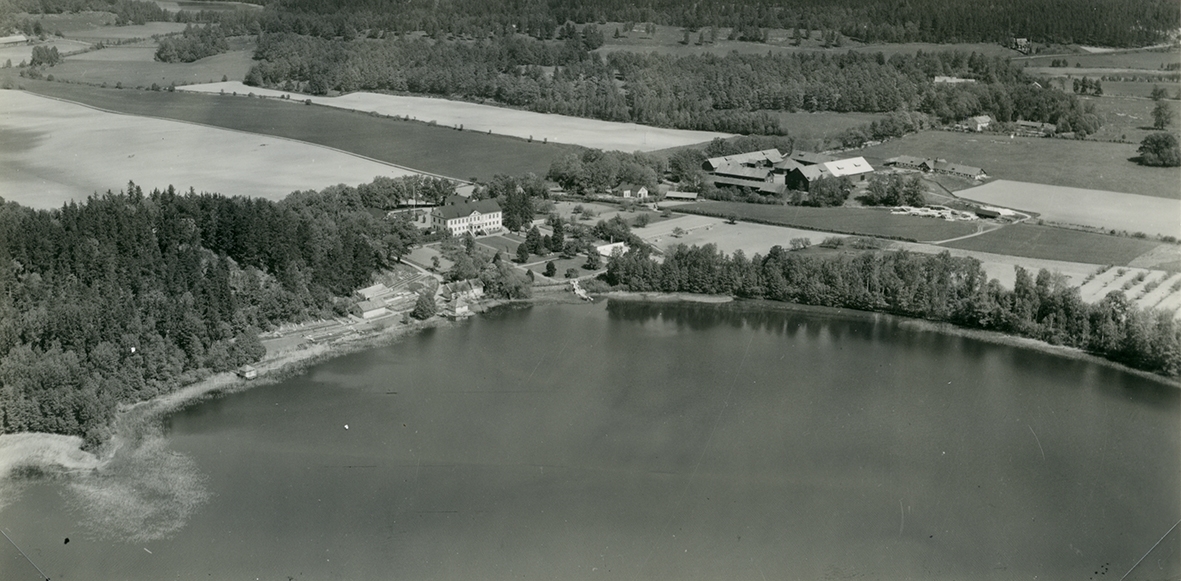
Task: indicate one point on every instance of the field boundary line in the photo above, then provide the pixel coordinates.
(292, 140)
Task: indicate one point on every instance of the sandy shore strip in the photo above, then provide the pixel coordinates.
(607, 135)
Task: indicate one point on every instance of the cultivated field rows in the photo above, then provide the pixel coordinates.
(1148, 289)
(488, 119)
(57, 151)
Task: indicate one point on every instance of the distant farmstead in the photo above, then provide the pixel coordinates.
(937, 166)
(461, 216)
(770, 172)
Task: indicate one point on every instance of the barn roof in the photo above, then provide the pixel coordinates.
(849, 167)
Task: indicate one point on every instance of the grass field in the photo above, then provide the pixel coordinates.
(745, 236)
(667, 40)
(1060, 162)
(460, 154)
(101, 33)
(137, 67)
(865, 221)
(1137, 88)
(1142, 59)
(1099, 209)
(71, 22)
(24, 52)
(56, 151)
(498, 120)
(1129, 118)
(1027, 240)
(823, 124)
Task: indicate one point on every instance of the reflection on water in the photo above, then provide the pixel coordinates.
(666, 441)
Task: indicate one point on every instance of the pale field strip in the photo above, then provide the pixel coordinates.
(1096, 208)
(56, 151)
(606, 135)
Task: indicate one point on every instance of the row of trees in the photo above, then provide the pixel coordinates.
(127, 295)
(934, 287)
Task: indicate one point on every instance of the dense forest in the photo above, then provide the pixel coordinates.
(1118, 23)
(1098, 22)
(128, 295)
(734, 93)
(934, 287)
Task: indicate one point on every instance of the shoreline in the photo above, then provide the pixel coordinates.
(42, 454)
(994, 337)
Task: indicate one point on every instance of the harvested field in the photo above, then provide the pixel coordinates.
(1027, 240)
(1095, 208)
(499, 120)
(432, 149)
(1059, 162)
(865, 221)
(56, 151)
(1003, 267)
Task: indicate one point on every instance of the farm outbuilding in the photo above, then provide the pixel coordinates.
(765, 157)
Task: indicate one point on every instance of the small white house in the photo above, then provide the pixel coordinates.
(632, 191)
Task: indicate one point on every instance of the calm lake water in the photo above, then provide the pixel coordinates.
(633, 441)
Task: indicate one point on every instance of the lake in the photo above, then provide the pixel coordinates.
(641, 441)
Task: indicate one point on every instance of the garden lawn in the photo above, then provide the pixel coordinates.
(1030, 241)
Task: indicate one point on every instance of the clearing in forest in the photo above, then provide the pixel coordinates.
(528, 125)
(56, 151)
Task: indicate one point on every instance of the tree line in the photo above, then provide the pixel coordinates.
(127, 295)
(933, 287)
